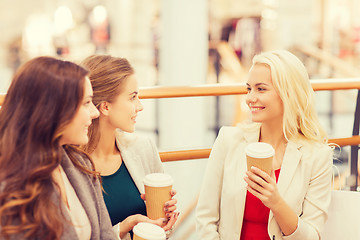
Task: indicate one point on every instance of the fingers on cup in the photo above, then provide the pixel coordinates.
(171, 221)
(173, 192)
(264, 176)
(170, 209)
(171, 202)
(160, 222)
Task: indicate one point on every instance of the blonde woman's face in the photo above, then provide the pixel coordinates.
(264, 102)
(122, 112)
(76, 132)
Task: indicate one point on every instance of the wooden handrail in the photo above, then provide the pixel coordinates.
(172, 156)
(238, 88)
(230, 89)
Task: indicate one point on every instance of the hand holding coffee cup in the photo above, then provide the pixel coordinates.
(148, 231)
(157, 190)
(260, 155)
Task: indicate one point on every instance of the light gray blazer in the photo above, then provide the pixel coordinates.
(304, 183)
(141, 157)
(89, 193)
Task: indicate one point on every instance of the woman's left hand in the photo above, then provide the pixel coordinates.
(171, 221)
(264, 187)
(170, 206)
(169, 209)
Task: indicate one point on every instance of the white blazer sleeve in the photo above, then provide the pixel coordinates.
(317, 198)
(208, 207)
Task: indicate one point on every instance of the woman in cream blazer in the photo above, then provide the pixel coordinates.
(298, 202)
(304, 183)
(121, 157)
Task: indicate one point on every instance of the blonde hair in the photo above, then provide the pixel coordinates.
(107, 75)
(291, 81)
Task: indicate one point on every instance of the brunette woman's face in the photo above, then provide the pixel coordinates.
(76, 132)
(122, 112)
(264, 102)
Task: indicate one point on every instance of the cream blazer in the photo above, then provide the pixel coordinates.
(141, 157)
(304, 183)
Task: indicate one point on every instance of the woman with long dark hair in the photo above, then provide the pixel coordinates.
(49, 189)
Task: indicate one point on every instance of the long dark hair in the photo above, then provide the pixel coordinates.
(43, 97)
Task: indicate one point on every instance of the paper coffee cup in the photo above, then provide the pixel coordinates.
(148, 231)
(260, 155)
(157, 192)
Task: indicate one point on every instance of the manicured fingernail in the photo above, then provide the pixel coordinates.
(165, 220)
(166, 204)
(168, 214)
(166, 209)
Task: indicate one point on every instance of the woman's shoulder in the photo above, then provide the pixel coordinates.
(133, 140)
(240, 131)
(313, 147)
(82, 159)
(320, 153)
(139, 149)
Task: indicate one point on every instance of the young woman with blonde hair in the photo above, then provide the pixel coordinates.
(122, 157)
(291, 202)
(48, 189)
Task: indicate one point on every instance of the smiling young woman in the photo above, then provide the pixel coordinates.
(122, 157)
(292, 201)
(48, 187)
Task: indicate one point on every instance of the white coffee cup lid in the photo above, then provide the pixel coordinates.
(260, 150)
(149, 231)
(158, 180)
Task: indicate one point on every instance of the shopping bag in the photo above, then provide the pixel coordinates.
(343, 216)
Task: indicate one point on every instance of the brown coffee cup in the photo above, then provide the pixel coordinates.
(148, 231)
(157, 191)
(260, 155)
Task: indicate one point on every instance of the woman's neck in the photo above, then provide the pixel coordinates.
(106, 146)
(272, 135)
(106, 156)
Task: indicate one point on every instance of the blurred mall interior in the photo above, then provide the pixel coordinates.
(193, 42)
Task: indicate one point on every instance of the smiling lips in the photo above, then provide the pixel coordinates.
(255, 109)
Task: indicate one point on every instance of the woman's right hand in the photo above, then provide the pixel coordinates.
(130, 222)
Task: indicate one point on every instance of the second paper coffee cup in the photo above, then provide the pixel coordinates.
(260, 155)
(148, 231)
(157, 192)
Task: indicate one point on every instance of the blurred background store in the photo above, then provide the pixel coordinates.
(187, 42)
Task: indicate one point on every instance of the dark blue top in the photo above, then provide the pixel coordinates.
(122, 198)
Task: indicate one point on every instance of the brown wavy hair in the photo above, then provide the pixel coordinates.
(107, 75)
(42, 99)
